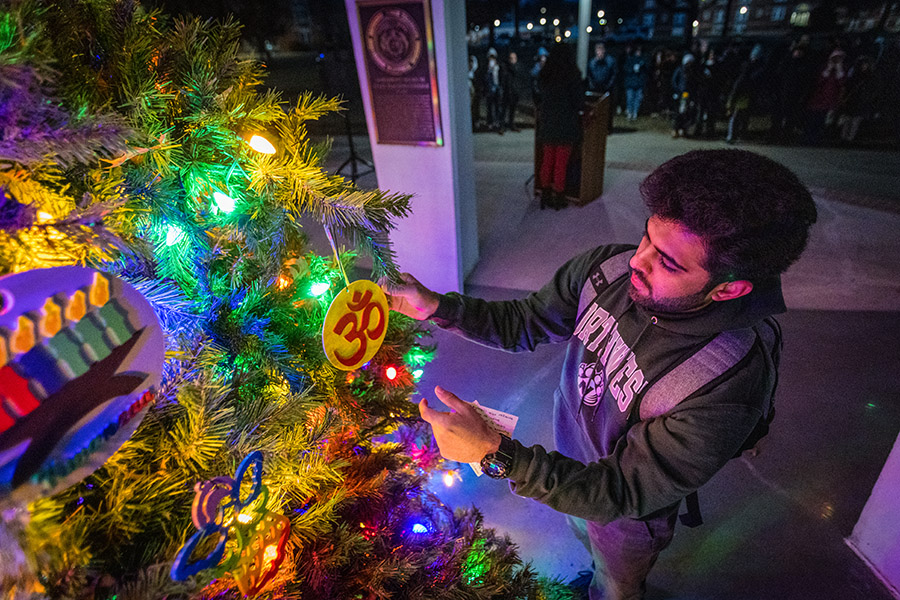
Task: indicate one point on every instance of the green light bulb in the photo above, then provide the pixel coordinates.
(174, 234)
(319, 288)
(223, 202)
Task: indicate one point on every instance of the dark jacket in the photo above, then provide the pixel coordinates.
(559, 121)
(747, 91)
(602, 74)
(611, 463)
(686, 79)
(861, 95)
(511, 81)
(795, 79)
(635, 72)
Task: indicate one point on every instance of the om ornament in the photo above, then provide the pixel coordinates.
(355, 325)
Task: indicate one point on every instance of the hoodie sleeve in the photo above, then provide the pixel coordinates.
(547, 315)
(658, 462)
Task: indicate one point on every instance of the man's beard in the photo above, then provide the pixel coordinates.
(667, 305)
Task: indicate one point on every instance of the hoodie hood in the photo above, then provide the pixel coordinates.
(765, 300)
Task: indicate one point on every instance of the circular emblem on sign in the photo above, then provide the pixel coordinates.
(394, 41)
(355, 325)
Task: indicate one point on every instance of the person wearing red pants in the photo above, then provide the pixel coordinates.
(559, 123)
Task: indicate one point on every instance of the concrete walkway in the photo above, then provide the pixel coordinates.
(775, 524)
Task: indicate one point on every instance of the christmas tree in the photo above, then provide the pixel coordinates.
(142, 146)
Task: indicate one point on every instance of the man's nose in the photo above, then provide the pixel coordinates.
(641, 260)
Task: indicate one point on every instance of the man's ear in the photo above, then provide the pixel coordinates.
(730, 290)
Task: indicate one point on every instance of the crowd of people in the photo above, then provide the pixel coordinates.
(805, 93)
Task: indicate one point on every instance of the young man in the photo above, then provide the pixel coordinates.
(602, 70)
(724, 225)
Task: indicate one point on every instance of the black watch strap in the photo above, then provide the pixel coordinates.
(498, 464)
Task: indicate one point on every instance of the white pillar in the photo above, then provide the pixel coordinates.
(876, 536)
(438, 242)
(584, 19)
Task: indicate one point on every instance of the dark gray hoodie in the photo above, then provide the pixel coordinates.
(610, 462)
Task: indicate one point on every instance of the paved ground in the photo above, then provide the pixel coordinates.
(775, 525)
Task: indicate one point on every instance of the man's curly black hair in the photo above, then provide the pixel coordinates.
(752, 213)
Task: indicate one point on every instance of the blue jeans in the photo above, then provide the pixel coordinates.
(624, 551)
(633, 99)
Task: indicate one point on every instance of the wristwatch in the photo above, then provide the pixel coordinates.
(498, 464)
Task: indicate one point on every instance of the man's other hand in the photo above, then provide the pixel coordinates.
(462, 434)
(410, 297)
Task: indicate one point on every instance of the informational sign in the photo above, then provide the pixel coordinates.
(398, 45)
(355, 325)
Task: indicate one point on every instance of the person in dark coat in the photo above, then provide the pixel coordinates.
(635, 79)
(709, 94)
(602, 70)
(745, 97)
(826, 96)
(511, 82)
(540, 59)
(559, 122)
(475, 92)
(602, 73)
(861, 98)
(685, 84)
(493, 92)
(664, 64)
(794, 79)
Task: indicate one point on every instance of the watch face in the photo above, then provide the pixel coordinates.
(494, 467)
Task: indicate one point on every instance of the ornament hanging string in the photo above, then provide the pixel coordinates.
(337, 258)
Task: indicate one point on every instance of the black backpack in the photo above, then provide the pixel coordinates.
(715, 358)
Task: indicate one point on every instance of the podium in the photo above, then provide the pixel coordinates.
(587, 165)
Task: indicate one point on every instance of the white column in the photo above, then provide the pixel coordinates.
(584, 19)
(876, 536)
(438, 243)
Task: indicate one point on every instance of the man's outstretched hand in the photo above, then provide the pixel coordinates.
(462, 435)
(410, 297)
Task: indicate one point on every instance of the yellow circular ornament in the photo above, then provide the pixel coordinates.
(355, 325)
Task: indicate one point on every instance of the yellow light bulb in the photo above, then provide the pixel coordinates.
(261, 144)
(271, 552)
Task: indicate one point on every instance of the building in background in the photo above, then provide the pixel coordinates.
(670, 19)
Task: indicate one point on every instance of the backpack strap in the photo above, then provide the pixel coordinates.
(617, 265)
(719, 355)
(769, 333)
(609, 270)
(715, 358)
